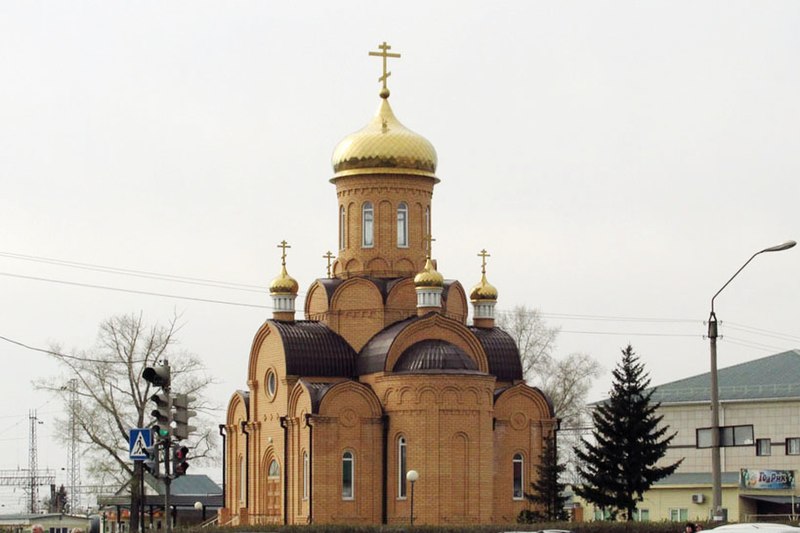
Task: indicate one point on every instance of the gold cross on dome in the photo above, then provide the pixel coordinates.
(483, 255)
(283, 245)
(328, 256)
(429, 243)
(384, 53)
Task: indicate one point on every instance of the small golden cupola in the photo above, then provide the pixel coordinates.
(483, 297)
(283, 290)
(429, 285)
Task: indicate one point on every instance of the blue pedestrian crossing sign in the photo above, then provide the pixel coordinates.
(138, 440)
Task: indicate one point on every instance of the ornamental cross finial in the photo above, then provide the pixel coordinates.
(384, 53)
(283, 245)
(429, 244)
(328, 256)
(483, 255)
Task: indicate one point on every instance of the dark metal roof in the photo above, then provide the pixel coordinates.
(373, 355)
(772, 377)
(188, 485)
(501, 351)
(330, 285)
(317, 391)
(312, 349)
(434, 355)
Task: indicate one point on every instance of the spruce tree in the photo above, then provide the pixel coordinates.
(547, 490)
(619, 466)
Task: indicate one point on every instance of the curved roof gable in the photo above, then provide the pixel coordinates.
(316, 391)
(502, 353)
(373, 355)
(312, 349)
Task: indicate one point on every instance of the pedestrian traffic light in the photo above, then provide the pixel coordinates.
(181, 415)
(179, 463)
(150, 464)
(157, 375)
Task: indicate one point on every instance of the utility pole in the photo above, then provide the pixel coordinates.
(73, 457)
(33, 481)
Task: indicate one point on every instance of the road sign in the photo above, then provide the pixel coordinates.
(139, 439)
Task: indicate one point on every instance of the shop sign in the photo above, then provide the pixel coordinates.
(750, 478)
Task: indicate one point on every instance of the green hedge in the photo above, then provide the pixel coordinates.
(582, 527)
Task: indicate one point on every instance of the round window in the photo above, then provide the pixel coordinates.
(272, 383)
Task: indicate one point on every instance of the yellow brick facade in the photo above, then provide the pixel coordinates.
(340, 406)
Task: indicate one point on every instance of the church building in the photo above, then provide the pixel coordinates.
(383, 405)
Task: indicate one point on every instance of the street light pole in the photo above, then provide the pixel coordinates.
(412, 476)
(716, 473)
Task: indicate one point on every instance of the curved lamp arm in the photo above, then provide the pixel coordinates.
(777, 248)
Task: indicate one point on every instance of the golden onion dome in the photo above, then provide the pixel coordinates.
(384, 145)
(483, 291)
(284, 283)
(429, 277)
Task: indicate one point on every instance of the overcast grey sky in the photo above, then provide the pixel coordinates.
(617, 159)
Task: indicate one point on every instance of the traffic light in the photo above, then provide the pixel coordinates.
(162, 414)
(181, 415)
(179, 463)
(150, 464)
(159, 375)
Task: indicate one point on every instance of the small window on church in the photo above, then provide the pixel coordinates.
(402, 225)
(401, 468)
(347, 475)
(342, 228)
(306, 471)
(367, 226)
(427, 225)
(242, 480)
(517, 463)
(274, 469)
(272, 383)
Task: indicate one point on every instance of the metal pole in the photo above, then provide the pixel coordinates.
(167, 481)
(412, 504)
(716, 473)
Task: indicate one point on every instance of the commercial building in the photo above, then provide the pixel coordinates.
(760, 417)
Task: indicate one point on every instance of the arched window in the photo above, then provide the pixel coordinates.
(306, 471)
(348, 471)
(401, 467)
(273, 489)
(367, 226)
(427, 230)
(518, 463)
(402, 225)
(242, 480)
(342, 229)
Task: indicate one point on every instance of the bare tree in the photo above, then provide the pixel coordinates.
(566, 381)
(534, 338)
(113, 397)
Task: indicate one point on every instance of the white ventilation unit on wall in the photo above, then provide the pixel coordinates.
(698, 498)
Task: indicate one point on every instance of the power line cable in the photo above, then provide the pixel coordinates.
(133, 291)
(136, 273)
(750, 344)
(66, 356)
(759, 331)
(631, 333)
(241, 286)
